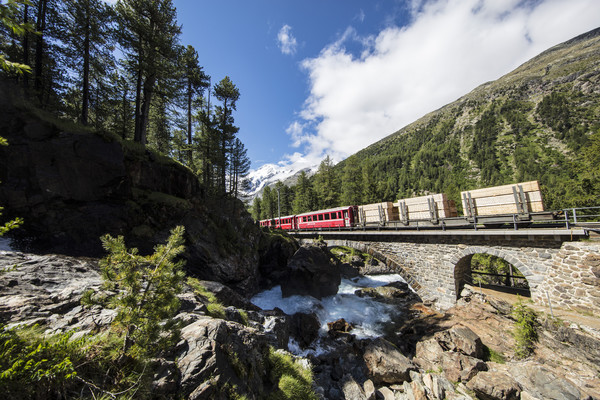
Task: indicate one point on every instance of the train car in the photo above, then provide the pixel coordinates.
(286, 223)
(332, 218)
(266, 223)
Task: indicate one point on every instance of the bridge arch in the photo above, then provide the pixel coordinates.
(463, 259)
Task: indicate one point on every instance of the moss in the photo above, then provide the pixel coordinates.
(493, 356)
(214, 308)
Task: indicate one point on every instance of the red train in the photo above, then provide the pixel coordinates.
(331, 218)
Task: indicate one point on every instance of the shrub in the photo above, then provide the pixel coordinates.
(147, 288)
(525, 332)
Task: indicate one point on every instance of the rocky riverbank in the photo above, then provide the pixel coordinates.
(466, 353)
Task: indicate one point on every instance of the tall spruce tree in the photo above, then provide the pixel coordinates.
(304, 199)
(149, 35)
(326, 184)
(89, 39)
(228, 94)
(195, 81)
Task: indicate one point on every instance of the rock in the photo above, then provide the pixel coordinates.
(310, 273)
(543, 384)
(351, 389)
(340, 326)
(369, 389)
(385, 393)
(396, 293)
(494, 386)
(438, 385)
(428, 354)
(461, 339)
(228, 297)
(274, 251)
(304, 328)
(217, 351)
(385, 364)
(458, 367)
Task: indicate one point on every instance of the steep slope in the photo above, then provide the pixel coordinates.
(539, 122)
(71, 185)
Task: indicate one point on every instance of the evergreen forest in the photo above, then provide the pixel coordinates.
(122, 70)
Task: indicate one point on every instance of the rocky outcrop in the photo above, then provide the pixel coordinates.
(214, 359)
(72, 185)
(385, 363)
(310, 273)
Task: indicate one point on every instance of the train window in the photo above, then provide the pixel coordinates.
(320, 217)
(327, 217)
(303, 219)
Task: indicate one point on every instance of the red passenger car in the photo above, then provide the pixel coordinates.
(331, 218)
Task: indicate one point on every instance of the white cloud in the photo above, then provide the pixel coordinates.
(449, 48)
(287, 42)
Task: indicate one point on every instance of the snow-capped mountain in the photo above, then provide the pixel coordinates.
(269, 174)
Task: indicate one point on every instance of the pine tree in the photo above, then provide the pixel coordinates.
(89, 39)
(228, 94)
(326, 184)
(351, 183)
(195, 81)
(240, 165)
(304, 199)
(147, 288)
(149, 35)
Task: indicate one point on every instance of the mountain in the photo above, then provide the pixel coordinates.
(539, 122)
(269, 174)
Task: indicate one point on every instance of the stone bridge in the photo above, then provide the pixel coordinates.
(561, 266)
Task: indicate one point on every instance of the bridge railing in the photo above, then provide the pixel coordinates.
(581, 215)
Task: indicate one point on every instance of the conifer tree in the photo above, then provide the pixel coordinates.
(326, 184)
(351, 183)
(304, 199)
(147, 288)
(149, 35)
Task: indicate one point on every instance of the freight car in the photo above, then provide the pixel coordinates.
(518, 204)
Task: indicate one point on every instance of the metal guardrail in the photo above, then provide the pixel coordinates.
(574, 216)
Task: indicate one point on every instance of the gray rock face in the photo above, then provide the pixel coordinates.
(310, 273)
(385, 363)
(461, 339)
(495, 386)
(542, 384)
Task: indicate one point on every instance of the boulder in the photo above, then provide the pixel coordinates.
(541, 383)
(385, 363)
(227, 296)
(339, 325)
(310, 273)
(494, 386)
(460, 339)
(369, 389)
(385, 393)
(217, 351)
(304, 328)
(351, 389)
(458, 367)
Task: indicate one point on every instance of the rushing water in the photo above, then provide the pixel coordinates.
(5, 244)
(368, 316)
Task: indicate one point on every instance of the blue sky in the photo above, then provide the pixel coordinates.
(321, 77)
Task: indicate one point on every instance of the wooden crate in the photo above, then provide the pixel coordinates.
(431, 207)
(377, 213)
(518, 198)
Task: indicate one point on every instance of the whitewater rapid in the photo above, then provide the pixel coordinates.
(366, 315)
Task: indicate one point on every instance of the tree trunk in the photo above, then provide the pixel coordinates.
(26, 46)
(86, 68)
(145, 111)
(138, 108)
(189, 122)
(39, 48)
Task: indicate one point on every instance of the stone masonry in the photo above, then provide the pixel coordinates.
(566, 272)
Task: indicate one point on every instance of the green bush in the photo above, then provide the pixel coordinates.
(525, 332)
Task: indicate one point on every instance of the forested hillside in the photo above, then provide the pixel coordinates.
(539, 122)
(122, 69)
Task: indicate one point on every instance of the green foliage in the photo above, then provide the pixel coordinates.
(291, 378)
(16, 222)
(493, 356)
(30, 363)
(147, 288)
(488, 263)
(525, 332)
(214, 308)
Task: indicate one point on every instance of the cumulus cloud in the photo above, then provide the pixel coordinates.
(448, 48)
(287, 42)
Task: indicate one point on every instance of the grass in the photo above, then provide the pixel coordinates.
(214, 308)
(291, 378)
(493, 356)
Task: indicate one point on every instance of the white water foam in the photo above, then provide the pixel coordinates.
(367, 316)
